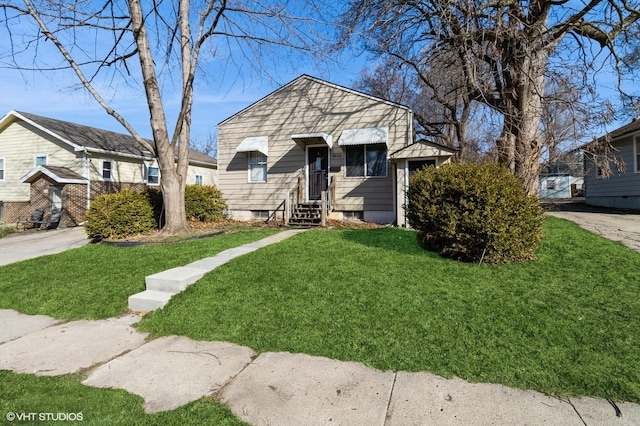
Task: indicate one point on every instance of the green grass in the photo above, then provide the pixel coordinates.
(95, 281)
(23, 393)
(567, 324)
(6, 230)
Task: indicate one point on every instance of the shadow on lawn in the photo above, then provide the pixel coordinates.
(400, 240)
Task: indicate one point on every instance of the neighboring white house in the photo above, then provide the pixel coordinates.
(47, 163)
(313, 143)
(622, 189)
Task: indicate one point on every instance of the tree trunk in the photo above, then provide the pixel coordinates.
(172, 181)
(520, 144)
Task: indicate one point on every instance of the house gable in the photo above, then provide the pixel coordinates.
(306, 118)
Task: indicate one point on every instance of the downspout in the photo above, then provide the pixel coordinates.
(86, 172)
(405, 173)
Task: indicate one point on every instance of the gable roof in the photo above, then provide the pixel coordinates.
(318, 81)
(55, 173)
(80, 138)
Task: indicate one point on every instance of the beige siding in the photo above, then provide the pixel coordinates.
(303, 107)
(122, 169)
(209, 175)
(19, 144)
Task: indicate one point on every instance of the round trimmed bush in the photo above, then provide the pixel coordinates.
(474, 212)
(119, 215)
(204, 203)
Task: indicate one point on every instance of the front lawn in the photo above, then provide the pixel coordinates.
(64, 400)
(95, 281)
(567, 324)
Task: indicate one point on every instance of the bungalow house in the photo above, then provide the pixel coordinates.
(52, 164)
(622, 188)
(313, 150)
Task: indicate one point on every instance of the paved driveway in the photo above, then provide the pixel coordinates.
(617, 225)
(29, 244)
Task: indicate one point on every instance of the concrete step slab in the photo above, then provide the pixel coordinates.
(174, 280)
(172, 371)
(296, 389)
(69, 348)
(148, 300)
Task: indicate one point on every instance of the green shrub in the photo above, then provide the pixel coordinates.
(474, 212)
(119, 215)
(154, 195)
(204, 203)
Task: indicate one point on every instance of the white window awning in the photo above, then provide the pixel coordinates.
(364, 136)
(254, 143)
(312, 138)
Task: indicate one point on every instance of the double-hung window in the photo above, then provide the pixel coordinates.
(1, 169)
(199, 179)
(153, 175)
(257, 167)
(366, 160)
(107, 170)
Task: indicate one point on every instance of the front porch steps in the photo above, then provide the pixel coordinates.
(307, 214)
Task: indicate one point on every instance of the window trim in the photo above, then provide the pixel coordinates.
(35, 160)
(195, 179)
(257, 154)
(102, 170)
(147, 175)
(3, 168)
(364, 149)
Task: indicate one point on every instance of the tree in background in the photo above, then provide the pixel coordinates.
(169, 41)
(504, 51)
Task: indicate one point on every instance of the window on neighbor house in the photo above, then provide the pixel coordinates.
(199, 179)
(1, 168)
(40, 160)
(551, 184)
(153, 175)
(637, 152)
(107, 171)
(257, 167)
(366, 160)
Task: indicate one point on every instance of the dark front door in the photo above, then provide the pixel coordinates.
(318, 160)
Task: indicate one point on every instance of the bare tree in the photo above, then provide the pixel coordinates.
(504, 50)
(98, 37)
(207, 144)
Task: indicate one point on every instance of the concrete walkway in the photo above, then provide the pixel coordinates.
(276, 388)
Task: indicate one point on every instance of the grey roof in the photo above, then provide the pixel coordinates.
(627, 128)
(57, 174)
(104, 140)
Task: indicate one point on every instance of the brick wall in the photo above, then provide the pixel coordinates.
(74, 200)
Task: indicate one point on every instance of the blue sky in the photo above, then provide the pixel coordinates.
(225, 84)
(227, 88)
(56, 95)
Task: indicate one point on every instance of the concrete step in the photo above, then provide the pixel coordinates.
(174, 280)
(148, 300)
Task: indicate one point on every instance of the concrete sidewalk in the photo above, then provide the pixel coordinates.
(31, 244)
(277, 388)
